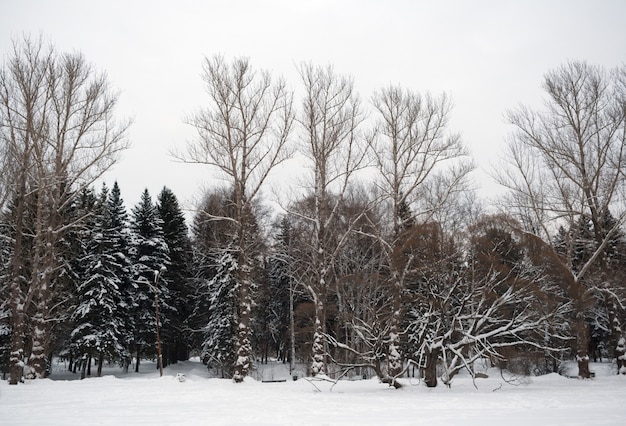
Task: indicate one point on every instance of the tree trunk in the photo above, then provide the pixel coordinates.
(385, 378)
(17, 302)
(244, 347)
(318, 364)
(583, 366)
(37, 359)
(582, 347)
(138, 349)
(83, 368)
(394, 356)
(100, 362)
(292, 331)
(620, 355)
(430, 369)
(617, 340)
(16, 357)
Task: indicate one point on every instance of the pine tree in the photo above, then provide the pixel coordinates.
(177, 343)
(150, 256)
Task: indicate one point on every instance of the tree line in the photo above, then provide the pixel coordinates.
(385, 262)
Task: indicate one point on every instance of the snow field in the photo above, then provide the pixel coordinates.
(147, 399)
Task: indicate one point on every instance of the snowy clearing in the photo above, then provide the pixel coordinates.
(147, 399)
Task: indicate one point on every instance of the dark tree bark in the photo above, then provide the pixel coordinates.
(430, 369)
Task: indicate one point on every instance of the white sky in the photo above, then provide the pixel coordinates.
(488, 55)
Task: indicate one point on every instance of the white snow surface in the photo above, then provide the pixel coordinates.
(146, 399)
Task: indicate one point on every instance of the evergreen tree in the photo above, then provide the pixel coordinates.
(150, 256)
(177, 342)
(121, 243)
(98, 321)
(261, 337)
(220, 333)
(81, 215)
(207, 236)
(280, 286)
(77, 242)
(605, 279)
(216, 268)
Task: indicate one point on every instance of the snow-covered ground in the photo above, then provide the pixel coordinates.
(146, 399)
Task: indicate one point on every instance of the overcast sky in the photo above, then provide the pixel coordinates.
(489, 56)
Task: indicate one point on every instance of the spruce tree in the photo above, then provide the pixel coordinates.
(150, 256)
(98, 330)
(280, 287)
(215, 293)
(121, 243)
(220, 332)
(177, 343)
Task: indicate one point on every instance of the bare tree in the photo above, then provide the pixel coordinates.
(413, 148)
(57, 128)
(335, 151)
(23, 96)
(471, 301)
(361, 291)
(243, 134)
(566, 167)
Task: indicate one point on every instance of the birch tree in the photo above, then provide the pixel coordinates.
(412, 147)
(59, 132)
(335, 150)
(242, 134)
(566, 167)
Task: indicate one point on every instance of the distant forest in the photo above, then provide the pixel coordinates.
(399, 269)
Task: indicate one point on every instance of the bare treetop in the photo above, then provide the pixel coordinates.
(568, 160)
(243, 131)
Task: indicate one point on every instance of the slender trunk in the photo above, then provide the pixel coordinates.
(617, 340)
(84, 368)
(292, 331)
(100, 362)
(138, 349)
